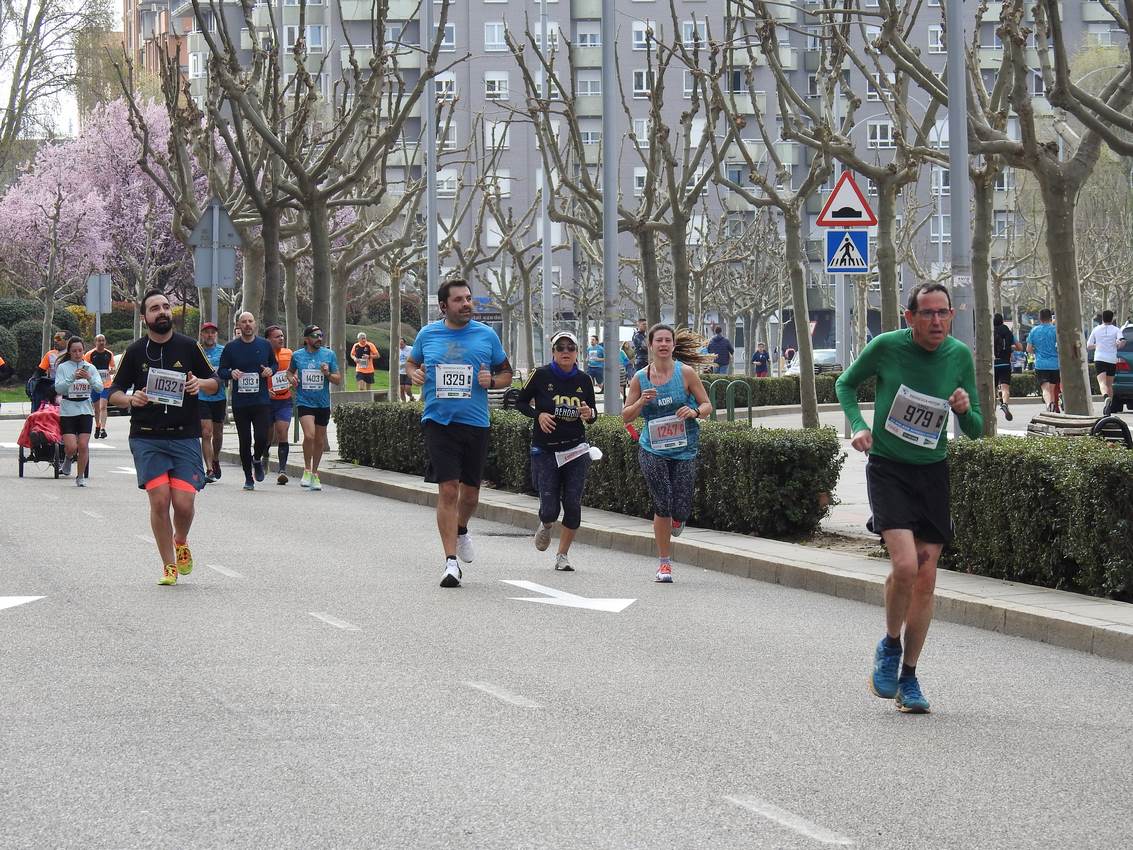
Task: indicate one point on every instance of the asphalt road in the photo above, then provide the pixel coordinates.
(310, 685)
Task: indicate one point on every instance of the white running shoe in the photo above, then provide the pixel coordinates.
(452, 575)
(562, 563)
(464, 548)
(542, 536)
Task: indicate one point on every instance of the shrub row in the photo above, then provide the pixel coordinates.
(768, 482)
(1047, 511)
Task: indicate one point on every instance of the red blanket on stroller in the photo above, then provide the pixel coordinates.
(46, 421)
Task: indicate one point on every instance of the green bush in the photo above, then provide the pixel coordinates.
(1048, 511)
(769, 482)
(28, 350)
(118, 338)
(9, 348)
(1024, 384)
(767, 392)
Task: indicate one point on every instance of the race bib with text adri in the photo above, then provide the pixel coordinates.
(249, 382)
(164, 386)
(668, 432)
(454, 380)
(917, 418)
(280, 382)
(80, 390)
(312, 379)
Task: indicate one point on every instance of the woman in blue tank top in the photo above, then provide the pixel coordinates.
(670, 395)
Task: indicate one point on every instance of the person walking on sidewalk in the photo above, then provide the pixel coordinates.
(280, 393)
(77, 382)
(670, 395)
(165, 370)
(1104, 341)
(456, 360)
(1042, 343)
(560, 398)
(923, 374)
(213, 407)
(1003, 345)
(249, 362)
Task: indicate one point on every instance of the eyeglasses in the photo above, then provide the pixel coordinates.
(567, 347)
(934, 314)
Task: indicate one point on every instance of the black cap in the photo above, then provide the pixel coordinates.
(310, 329)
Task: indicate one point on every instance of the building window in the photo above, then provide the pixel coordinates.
(880, 135)
(446, 182)
(1038, 84)
(641, 131)
(936, 40)
(694, 33)
(393, 34)
(448, 42)
(876, 88)
(689, 82)
(935, 225)
(446, 137)
(591, 137)
(494, 41)
(812, 85)
(642, 83)
(1000, 223)
(1005, 180)
(941, 181)
(499, 183)
(496, 85)
(639, 175)
(642, 32)
(196, 65)
(588, 34)
(813, 38)
(316, 39)
(446, 86)
(552, 34)
(589, 84)
(497, 135)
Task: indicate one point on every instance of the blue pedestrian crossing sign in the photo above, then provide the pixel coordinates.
(847, 251)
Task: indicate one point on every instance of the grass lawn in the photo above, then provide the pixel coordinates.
(10, 394)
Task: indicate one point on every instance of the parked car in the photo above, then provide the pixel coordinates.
(1123, 380)
(825, 360)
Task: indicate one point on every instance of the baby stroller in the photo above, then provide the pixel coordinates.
(41, 391)
(41, 440)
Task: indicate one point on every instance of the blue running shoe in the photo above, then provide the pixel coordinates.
(886, 665)
(258, 469)
(909, 697)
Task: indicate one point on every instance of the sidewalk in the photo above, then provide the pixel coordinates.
(1099, 626)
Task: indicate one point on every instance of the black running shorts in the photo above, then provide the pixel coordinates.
(213, 410)
(78, 425)
(1104, 368)
(1048, 376)
(1002, 374)
(905, 495)
(321, 414)
(455, 452)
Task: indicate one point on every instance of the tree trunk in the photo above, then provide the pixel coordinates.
(650, 280)
(528, 322)
(795, 257)
(318, 223)
(339, 281)
(678, 250)
(394, 334)
(861, 313)
(291, 305)
(983, 194)
(1058, 201)
(48, 317)
(273, 268)
(749, 341)
(506, 327)
(252, 289)
(887, 256)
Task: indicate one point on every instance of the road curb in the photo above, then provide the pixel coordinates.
(1097, 626)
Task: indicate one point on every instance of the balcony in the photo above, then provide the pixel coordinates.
(785, 12)
(399, 10)
(789, 57)
(584, 10)
(407, 58)
(1094, 12)
(588, 57)
(592, 153)
(588, 105)
(788, 152)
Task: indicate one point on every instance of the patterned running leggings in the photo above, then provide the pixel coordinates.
(671, 484)
(559, 486)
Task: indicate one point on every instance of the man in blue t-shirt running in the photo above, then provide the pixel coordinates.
(313, 369)
(456, 361)
(1042, 342)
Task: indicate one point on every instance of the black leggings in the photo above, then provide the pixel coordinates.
(559, 486)
(254, 420)
(671, 483)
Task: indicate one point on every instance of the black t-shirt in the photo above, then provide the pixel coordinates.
(1003, 341)
(100, 360)
(179, 354)
(546, 392)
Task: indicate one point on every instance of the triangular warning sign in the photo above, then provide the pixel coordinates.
(846, 206)
(847, 255)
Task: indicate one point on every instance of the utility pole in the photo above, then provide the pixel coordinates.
(432, 259)
(613, 397)
(545, 211)
(963, 300)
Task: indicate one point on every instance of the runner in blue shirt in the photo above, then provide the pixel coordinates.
(313, 370)
(1042, 342)
(456, 361)
(212, 407)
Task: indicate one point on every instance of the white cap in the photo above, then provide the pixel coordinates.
(564, 334)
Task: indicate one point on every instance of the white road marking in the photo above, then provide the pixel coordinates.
(790, 821)
(224, 571)
(125, 470)
(503, 695)
(334, 621)
(143, 538)
(93, 514)
(13, 601)
(568, 600)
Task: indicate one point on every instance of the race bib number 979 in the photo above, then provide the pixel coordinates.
(917, 418)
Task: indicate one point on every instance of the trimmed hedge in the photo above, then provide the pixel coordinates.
(768, 482)
(1048, 511)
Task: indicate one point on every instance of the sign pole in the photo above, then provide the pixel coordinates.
(215, 260)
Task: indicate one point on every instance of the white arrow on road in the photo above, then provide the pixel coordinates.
(13, 601)
(568, 600)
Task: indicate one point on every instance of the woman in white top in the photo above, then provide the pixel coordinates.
(1104, 341)
(76, 381)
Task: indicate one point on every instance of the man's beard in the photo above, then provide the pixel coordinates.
(162, 325)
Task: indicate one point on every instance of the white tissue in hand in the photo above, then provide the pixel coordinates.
(595, 453)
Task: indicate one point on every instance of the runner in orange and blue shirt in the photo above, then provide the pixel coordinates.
(280, 394)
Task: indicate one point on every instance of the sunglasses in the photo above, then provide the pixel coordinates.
(315, 335)
(567, 347)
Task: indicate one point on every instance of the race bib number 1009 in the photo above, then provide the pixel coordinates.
(917, 418)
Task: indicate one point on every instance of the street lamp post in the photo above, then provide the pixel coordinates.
(964, 326)
(613, 398)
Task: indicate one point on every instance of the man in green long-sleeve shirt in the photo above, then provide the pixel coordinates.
(922, 374)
